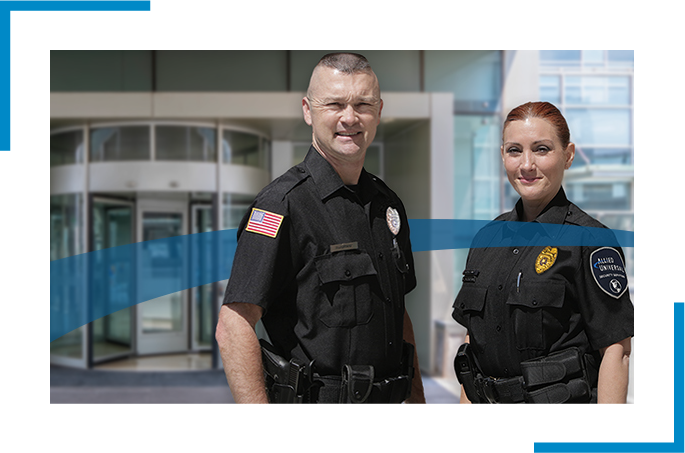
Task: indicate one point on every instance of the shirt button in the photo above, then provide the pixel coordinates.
(498, 328)
(516, 251)
(301, 170)
(348, 273)
(387, 299)
(535, 302)
(499, 287)
(380, 255)
(462, 305)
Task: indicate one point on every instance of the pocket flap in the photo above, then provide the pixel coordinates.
(539, 295)
(344, 267)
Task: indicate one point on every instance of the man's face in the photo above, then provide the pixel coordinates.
(344, 111)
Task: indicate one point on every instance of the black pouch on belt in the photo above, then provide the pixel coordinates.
(357, 383)
(560, 377)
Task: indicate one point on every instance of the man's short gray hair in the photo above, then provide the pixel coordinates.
(346, 62)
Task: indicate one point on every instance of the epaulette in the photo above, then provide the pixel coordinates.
(281, 186)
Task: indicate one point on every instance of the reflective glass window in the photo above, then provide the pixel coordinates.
(66, 148)
(605, 196)
(550, 89)
(597, 90)
(242, 148)
(473, 76)
(185, 143)
(620, 58)
(593, 57)
(66, 220)
(599, 126)
(477, 166)
(120, 143)
(235, 208)
(560, 57)
(603, 155)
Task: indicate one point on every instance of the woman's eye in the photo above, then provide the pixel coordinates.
(543, 149)
(513, 150)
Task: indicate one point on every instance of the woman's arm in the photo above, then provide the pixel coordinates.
(612, 386)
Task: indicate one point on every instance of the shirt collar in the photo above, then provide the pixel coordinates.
(327, 179)
(554, 213)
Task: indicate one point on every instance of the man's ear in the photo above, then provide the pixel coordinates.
(306, 111)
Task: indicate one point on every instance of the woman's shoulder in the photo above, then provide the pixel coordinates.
(576, 216)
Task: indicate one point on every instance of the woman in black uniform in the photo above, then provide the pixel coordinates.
(549, 318)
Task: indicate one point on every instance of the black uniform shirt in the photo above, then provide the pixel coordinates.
(519, 303)
(331, 281)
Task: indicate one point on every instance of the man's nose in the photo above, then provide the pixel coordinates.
(348, 115)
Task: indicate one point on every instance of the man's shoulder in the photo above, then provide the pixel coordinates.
(277, 190)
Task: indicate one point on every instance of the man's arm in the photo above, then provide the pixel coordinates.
(417, 395)
(612, 386)
(240, 351)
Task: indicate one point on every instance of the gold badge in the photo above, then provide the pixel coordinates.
(545, 259)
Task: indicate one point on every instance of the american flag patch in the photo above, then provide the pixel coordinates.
(264, 222)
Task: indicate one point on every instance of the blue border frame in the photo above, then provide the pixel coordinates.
(6, 8)
(678, 410)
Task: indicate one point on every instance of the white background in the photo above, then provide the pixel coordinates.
(652, 31)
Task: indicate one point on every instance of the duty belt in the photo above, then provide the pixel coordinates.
(560, 377)
(291, 382)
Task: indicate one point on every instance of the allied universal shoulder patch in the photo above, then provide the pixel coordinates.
(264, 222)
(609, 271)
(546, 259)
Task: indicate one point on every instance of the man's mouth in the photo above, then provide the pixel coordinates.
(347, 134)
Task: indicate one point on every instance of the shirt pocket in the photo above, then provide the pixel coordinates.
(534, 310)
(469, 306)
(345, 284)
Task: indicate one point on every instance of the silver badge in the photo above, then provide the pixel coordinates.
(393, 219)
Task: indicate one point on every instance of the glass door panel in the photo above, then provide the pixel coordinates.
(162, 322)
(112, 335)
(201, 299)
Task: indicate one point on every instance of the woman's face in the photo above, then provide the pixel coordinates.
(535, 159)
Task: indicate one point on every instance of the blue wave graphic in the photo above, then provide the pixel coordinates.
(87, 287)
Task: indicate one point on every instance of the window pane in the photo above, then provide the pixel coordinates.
(185, 143)
(66, 219)
(66, 148)
(621, 58)
(598, 90)
(599, 126)
(608, 156)
(560, 57)
(235, 208)
(120, 143)
(593, 57)
(473, 76)
(550, 89)
(241, 148)
(607, 196)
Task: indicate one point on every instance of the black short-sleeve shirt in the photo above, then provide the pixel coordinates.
(320, 259)
(523, 302)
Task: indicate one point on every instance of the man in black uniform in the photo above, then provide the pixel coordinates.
(324, 259)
